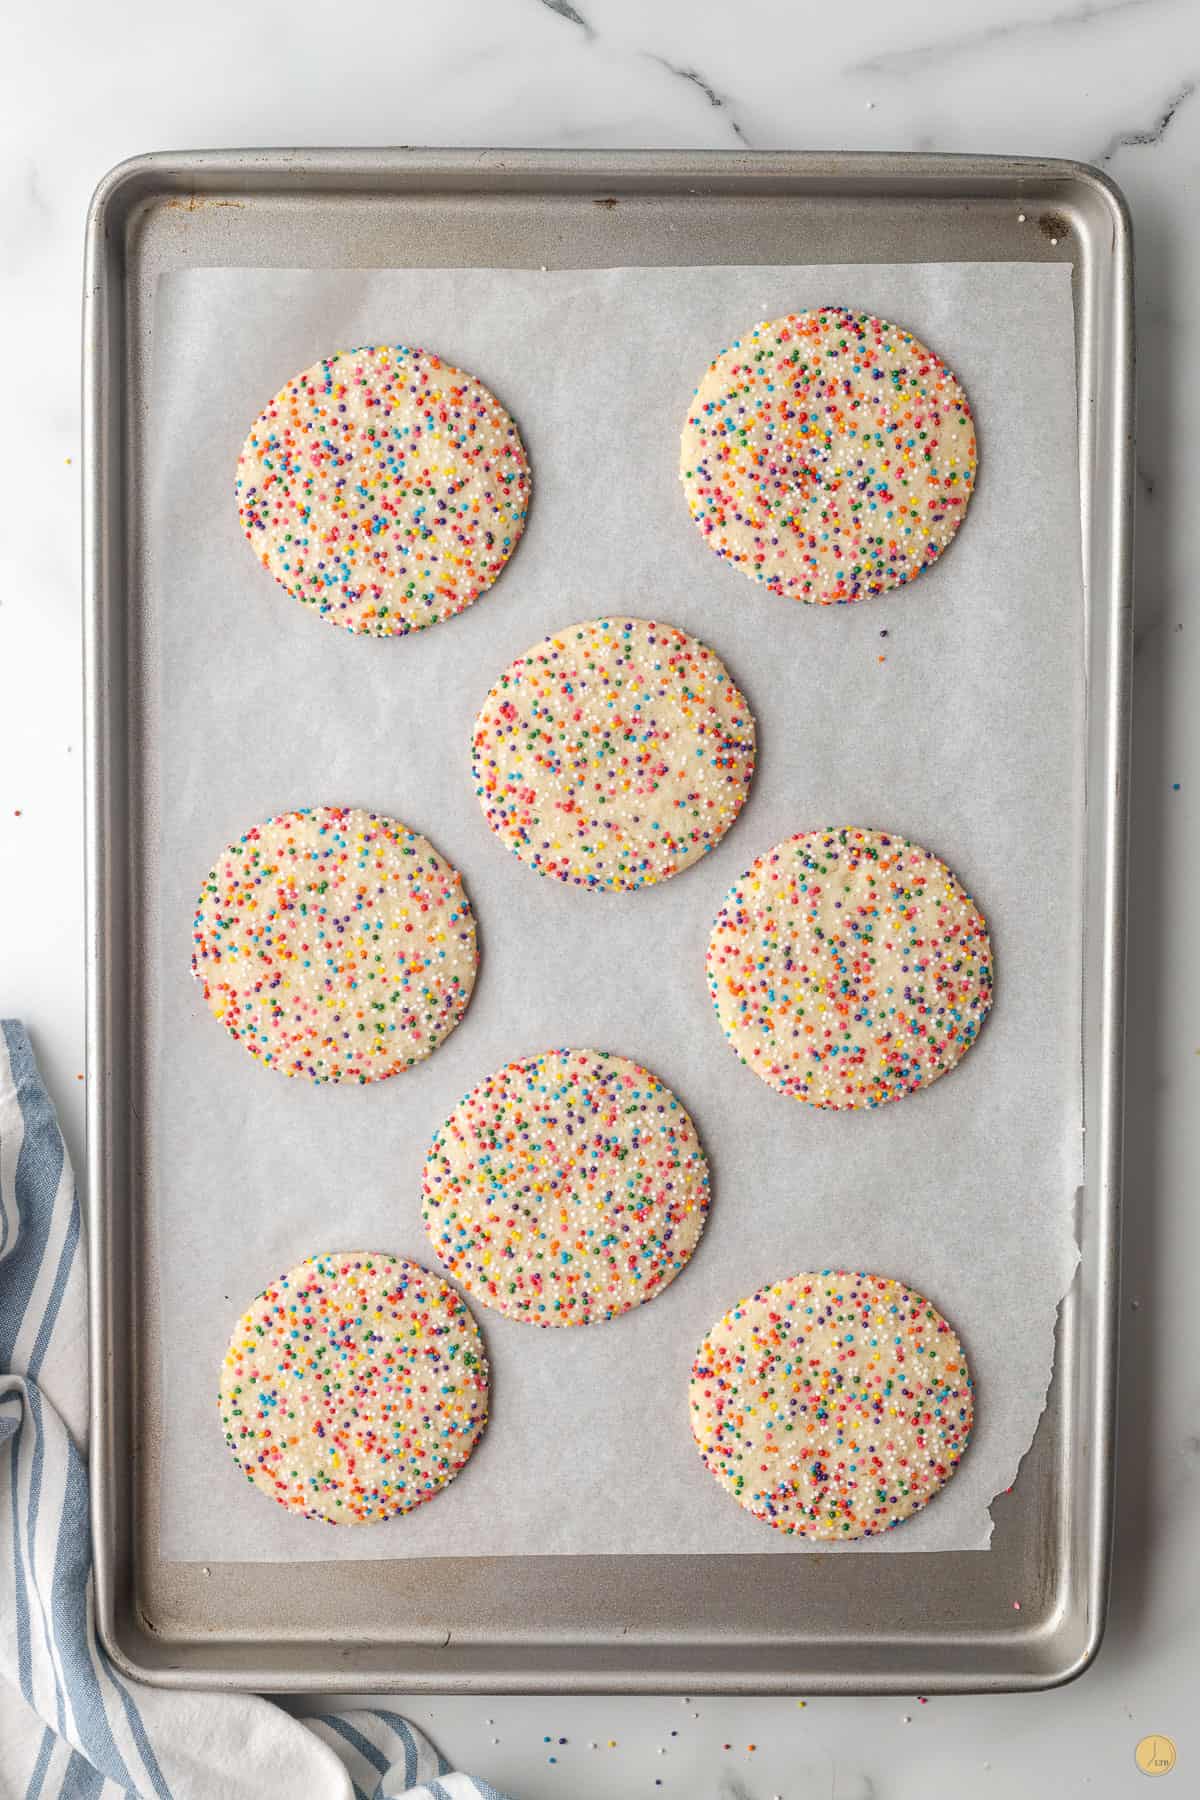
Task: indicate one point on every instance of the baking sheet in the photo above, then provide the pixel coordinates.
(968, 737)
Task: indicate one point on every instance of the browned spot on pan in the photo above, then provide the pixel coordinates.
(193, 202)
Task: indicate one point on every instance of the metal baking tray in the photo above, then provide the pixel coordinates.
(756, 1624)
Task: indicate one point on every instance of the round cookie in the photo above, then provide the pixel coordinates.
(828, 455)
(848, 967)
(566, 1188)
(354, 1388)
(613, 754)
(383, 487)
(832, 1406)
(335, 944)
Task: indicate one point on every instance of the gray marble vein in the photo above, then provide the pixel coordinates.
(565, 10)
(1138, 140)
(33, 189)
(950, 47)
(715, 99)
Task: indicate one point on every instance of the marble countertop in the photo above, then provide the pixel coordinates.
(1108, 81)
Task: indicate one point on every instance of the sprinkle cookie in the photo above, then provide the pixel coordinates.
(614, 754)
(384, 488)
(832, 1406)
(566, 1188)
(848, 967)
(334, 944)
(828, 455)
(354, 1388)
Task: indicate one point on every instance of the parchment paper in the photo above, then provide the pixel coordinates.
(951, 712)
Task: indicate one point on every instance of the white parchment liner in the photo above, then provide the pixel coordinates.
(951, 711)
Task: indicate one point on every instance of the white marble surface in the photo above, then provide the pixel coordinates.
(83, 85)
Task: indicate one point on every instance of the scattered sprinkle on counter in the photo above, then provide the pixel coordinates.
(384, 488)
(829, 455)
(613, 754)
(334, 944)
(355, 1387)
(566, 1188)
(849, 967)
(832, 1405)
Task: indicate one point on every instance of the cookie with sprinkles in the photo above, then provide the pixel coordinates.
(355, 1387)
(832, 1405)
(566, 1188)
(829, 455)
(334, 944)
(384, 488)
(849, 967)
(614, 754)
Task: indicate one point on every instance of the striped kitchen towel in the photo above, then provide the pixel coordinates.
(71, 1727)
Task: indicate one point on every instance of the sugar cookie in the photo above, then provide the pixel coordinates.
(383, 487)
(335, 944)
(832, 1406)
(613, 754)
(848, 967)
(354, 1387)
(828, 455)
(566, 1188)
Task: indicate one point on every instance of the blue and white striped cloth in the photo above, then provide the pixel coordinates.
(71, 1727)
